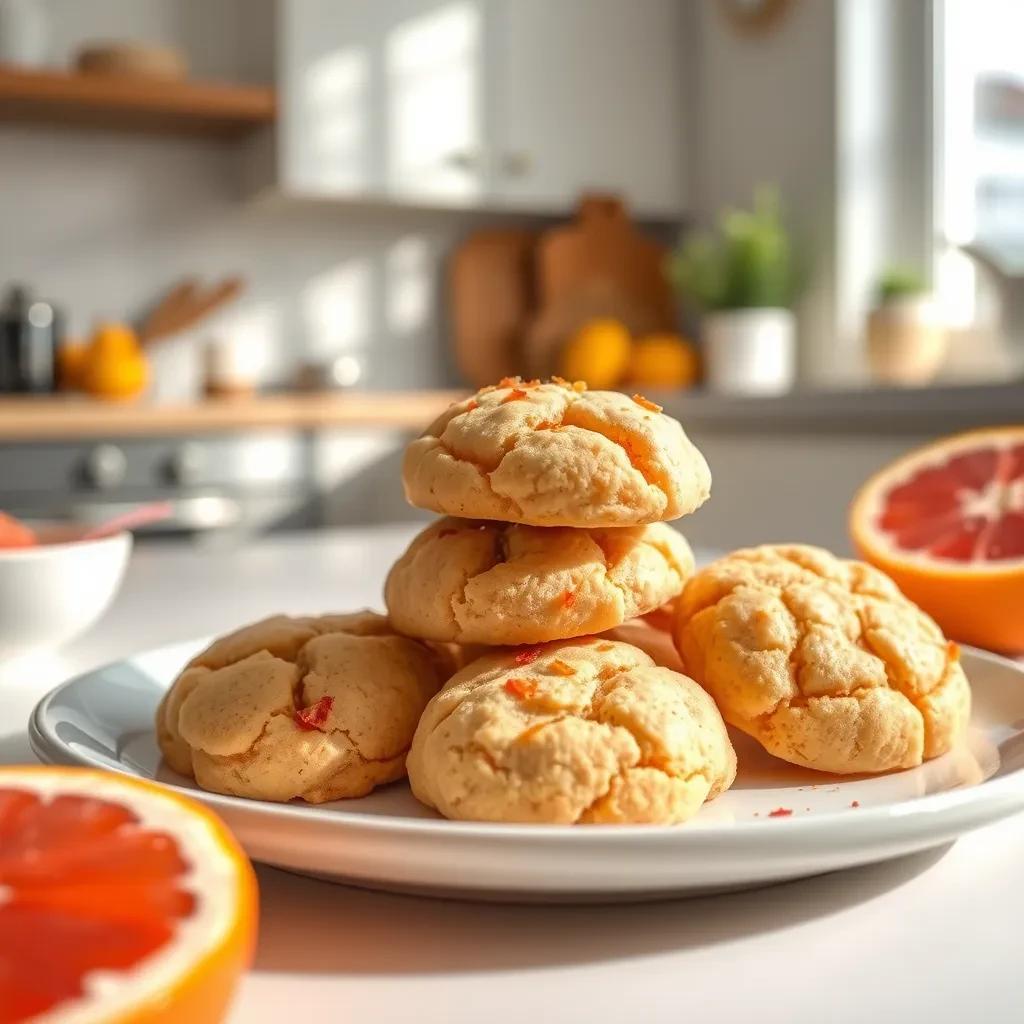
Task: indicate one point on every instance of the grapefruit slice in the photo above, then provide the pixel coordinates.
(14, 534)
(946, 522)
(120, 901)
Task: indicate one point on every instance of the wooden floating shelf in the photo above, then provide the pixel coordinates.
(74, 417)
(134, 104)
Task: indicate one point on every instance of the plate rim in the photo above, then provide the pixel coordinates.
(961, 808)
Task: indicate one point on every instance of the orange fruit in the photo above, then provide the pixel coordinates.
(597, 353)
(120, 901)
(115, 365)
(663, 361)
(946, 522)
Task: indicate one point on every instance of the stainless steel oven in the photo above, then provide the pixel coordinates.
(216, 484)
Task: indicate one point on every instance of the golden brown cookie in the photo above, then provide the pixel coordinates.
(479, 581)
(315, 708)
(577, 731)
(552, 455)
(822, 660)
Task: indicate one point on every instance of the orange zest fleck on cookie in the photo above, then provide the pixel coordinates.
(473, 404)
(521, 689)
(315, 716)
(561, 668)
(515, 395)
(646, 403)
(568, 598)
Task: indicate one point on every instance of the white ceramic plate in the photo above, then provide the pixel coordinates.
(387, 840)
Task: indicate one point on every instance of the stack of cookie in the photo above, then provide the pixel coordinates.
(556, 502)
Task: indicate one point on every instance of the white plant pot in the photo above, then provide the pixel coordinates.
(906, 341)
(750, 351)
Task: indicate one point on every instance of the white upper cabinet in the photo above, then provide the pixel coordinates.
(589, 94)
(483, 103)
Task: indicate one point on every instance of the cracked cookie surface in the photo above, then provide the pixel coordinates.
(822, 660)
(479, 581)
(578, 731)
(316, 708)
(552, 455)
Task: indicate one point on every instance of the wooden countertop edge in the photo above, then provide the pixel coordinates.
(40, 419)
(937, 410)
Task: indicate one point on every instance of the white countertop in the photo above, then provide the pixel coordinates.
(934, 937)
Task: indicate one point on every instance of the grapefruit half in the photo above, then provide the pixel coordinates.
(946, 522)
(120, 901)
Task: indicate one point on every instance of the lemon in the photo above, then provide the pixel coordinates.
(664, 361)
(597, 353)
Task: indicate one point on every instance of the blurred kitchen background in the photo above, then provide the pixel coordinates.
(247, 247)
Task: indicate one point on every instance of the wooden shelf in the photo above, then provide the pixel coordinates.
(74, 417)
(134, 104)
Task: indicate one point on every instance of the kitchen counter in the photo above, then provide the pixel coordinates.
(877, 410)
(934, 936)
(74, 417)
(933, 410)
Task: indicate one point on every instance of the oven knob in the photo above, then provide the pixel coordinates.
(106, 466)
(186, 464)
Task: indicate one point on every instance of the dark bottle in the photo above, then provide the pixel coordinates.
(29, 335)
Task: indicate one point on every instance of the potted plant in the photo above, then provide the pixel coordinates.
(742, 283)
(906, 341)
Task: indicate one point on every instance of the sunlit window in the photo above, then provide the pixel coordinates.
(980, 124)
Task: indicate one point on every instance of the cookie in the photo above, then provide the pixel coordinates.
(479, 581)
(576, 731)
(312, 708)
(823, 661)
(552, 455)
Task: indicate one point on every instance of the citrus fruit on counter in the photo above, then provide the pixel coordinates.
(946, 522)
(120, 902)
(663, 361)
(597, 353)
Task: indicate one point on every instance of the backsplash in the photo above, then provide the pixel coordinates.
(103, 224)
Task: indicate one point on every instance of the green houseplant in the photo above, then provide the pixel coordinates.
(742, 282)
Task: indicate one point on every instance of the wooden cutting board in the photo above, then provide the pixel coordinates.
(491, 291)
(598, 265)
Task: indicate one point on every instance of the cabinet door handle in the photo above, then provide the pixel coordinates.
(516, 163)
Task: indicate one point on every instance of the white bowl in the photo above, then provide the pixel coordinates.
(54, 592)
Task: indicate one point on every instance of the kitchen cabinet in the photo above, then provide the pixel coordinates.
(517, 104)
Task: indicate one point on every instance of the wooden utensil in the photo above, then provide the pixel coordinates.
(602, 246)
(185, 305)
(596, 266)
(490, 284)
